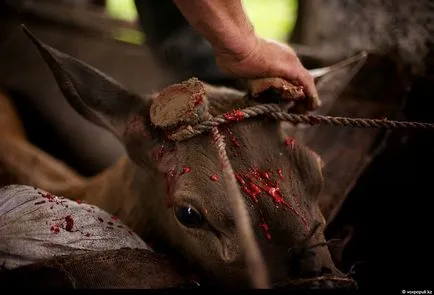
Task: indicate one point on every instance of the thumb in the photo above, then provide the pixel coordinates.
(310, 91)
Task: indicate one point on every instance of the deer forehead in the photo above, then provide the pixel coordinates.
(267, 168)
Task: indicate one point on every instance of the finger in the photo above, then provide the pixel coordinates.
(310, 90)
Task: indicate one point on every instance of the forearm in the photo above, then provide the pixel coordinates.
(223, 23)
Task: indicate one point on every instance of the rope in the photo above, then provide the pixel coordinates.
(254, 259)
(274, 111)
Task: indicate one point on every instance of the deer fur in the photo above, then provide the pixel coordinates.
(159, 179)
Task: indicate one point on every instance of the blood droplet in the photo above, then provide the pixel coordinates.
(55, 229)
(49, 196)
(264, 226)
(233, 138)
(114, 217)
(280, 173)
(69, 223)
(214, 177)
(79, 201)
(185, 170)
(289, 141)
(235, 115)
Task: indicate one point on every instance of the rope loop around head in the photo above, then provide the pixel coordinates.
(274, 111)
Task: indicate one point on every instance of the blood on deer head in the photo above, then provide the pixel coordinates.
(173, 191)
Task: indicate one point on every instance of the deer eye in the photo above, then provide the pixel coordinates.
(189, 216)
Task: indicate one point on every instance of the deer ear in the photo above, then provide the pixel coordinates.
(91, 93)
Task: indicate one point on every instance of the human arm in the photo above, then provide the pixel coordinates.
(238, 50)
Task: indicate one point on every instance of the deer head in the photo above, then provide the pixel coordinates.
(188, 208)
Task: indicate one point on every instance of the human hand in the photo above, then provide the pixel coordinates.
(266, 59)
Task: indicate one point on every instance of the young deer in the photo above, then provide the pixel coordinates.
(172, 192)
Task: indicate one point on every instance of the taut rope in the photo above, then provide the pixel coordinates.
(274, 111)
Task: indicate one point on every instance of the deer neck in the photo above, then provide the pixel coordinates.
(123, 190)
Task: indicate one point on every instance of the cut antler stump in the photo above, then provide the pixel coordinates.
(285, 89)
(180, 104)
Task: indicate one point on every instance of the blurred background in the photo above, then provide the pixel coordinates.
(279, 27)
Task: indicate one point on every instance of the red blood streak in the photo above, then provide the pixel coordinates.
(100, 219)
(235, 115)
(110, 223)
(185, 170)
(232, 137)
(240, 179)
(198, 99)
(49, 196)
(289, 141)
(266, 175)
(280, 173)
(115, 217)
(69, 223)
(251, 189)
(260, 181)
(266, 229)
(274, 192)
(53, 199)
(55, 229)
(214, 177)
